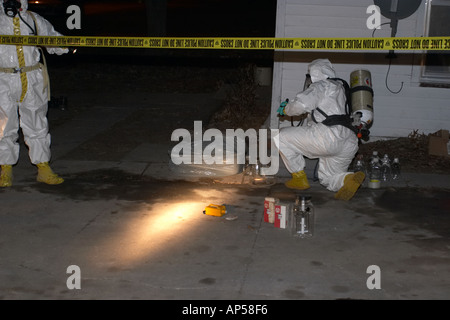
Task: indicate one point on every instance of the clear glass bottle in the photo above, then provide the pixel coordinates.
(302, 222)
(385, 168)
(371, 159)
(395, 169)
(258, 177)
(386, 158)
(359, 166)
(375, 175)
(374, 156)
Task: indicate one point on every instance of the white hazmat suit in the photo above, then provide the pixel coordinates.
(24, 95)
(334, 146)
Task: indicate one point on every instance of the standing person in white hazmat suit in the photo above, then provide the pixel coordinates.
(24, 92)
(334, 145)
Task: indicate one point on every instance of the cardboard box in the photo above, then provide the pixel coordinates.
(268, 202)
(438, 143)
(281, 216)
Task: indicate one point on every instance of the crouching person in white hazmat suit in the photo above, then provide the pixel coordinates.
(24, 92)
(334, 145)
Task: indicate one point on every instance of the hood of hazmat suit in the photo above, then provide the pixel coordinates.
(28, 90)
(335, 146)
(321, 69)
(328, 95)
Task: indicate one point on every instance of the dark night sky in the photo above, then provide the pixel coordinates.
(184, 18)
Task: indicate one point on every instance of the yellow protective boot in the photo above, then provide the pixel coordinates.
(299, 181)
(46, 174)
(351, 184)
(6, 177)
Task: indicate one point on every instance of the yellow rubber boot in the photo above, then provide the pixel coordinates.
(46, 174)
(299, 181)
(351, 184)
(6, 177)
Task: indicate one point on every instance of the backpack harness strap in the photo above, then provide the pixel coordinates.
(342, 119)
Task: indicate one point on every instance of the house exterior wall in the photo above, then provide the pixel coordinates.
(425, 109)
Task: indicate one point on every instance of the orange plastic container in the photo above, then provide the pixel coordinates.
(215, 210)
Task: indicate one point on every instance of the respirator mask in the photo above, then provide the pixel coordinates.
(11, 7)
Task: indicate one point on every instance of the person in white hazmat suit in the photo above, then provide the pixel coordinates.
(335, 146)
(24, 92)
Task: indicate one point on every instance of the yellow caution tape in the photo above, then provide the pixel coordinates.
(326, 44)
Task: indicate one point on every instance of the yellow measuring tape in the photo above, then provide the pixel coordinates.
(325, 44)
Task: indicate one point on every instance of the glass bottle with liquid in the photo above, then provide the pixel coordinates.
(302, 221)
(375, 175)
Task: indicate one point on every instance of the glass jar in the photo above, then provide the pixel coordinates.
(302, 217)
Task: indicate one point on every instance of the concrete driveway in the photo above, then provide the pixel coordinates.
(124, 226)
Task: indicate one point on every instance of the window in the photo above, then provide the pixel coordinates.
(436, 64)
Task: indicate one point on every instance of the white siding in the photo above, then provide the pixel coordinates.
(413, 108)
